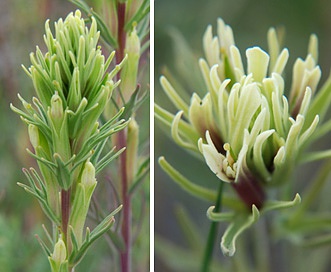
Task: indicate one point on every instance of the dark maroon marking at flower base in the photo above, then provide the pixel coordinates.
(250, 191)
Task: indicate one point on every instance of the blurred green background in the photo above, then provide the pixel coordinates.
(21, 29)
(250, 21)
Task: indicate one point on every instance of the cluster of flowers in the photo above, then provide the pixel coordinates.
(249, 133)
(72, 87)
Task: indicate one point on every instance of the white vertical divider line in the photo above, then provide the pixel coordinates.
(152, 268)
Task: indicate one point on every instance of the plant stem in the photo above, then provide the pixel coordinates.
(126, 198)
(65, 211)
(121, 35)
(212, 233)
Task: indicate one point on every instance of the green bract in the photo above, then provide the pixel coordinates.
(248, 132)
(58, 259)
(72, 87)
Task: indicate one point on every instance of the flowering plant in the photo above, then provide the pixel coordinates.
(73, 122)
(244, 127)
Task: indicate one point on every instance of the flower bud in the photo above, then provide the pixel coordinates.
(132, 148)
(82, 200)
(305, 74)
(60, 252)
(200, 113)
(130, 69)
(33, 135)
(201, 117)
(58, 260)
(56, 112)
(88, 176)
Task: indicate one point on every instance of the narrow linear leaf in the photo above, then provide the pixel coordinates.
(49, 237)
(107, 159)
(139, 15)
(43, 246)
(275, 205)
(186, 184)
(139, 178)
(241, 223)
(219, 217)
(104, 29)
(322, 240)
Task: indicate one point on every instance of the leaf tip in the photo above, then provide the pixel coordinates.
(228, 251)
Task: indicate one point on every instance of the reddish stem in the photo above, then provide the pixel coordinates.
(65, 208)
(121, 35)
(126, 198)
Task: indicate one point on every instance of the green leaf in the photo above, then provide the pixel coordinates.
(47, 251)
(175, 98)
(139, 15)
(185, 129)
(75, 118)
(318, 241)
(186, 63)
(185, 141)
(78, 161)
(134, 103)
(107, 159)
(315, 156)
(219, 217)
(104, 133)
(104, 224)
(50, 165)
(141, 174)
(91, 237)
(104, 29)
(55, 267)
(48, 236)
(63, 174)
(42, 201)
(310, 223)
(240, 223)
(275, 205)
(196, 190)
(186, 184)
(320, 103)
(73, 240)
(78, 212)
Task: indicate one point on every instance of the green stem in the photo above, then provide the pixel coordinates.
(212, 233)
